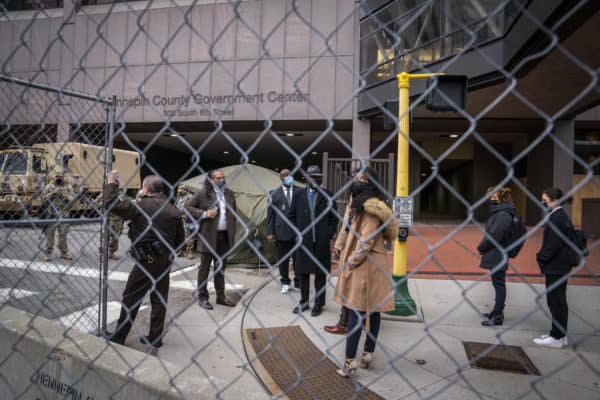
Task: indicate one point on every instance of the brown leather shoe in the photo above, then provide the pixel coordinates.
(66, 257)
(336, 329)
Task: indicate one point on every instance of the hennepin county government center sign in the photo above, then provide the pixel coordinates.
(179, 105)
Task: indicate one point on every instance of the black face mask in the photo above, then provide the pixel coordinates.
(317, 182)
(358, 187)
(493, 203)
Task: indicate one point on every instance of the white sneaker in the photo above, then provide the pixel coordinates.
(564, 339)
(285, 289)
(549, 341)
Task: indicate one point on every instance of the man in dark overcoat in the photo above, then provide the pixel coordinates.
(280, 228)
(214, 208)
(156, 233)
(314, 214)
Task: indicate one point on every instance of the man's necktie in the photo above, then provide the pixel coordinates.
(288, 196)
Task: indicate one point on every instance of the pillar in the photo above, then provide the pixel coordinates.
(549, 165)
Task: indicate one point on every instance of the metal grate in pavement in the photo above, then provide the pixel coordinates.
(500, 358)
(289, 363)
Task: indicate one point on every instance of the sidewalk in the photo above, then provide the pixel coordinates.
(413, 359)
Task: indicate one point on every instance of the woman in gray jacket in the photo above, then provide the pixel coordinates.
(493, 253)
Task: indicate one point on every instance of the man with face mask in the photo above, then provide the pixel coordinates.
(214, 208)
(280, 228)
(314, 214)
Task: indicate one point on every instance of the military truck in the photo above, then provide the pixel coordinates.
(24, 172)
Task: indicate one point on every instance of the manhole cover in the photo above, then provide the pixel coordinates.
(290, 363)
(500, 358)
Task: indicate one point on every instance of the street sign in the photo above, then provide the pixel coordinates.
(403, 211)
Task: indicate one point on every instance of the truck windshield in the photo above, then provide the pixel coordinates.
(16, 163)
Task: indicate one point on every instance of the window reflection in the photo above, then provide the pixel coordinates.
(409, 34)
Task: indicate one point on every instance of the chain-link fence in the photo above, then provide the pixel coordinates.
(249, 186)
(53, 156)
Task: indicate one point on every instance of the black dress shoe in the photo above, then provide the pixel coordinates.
(225, 302)
(205, 304)
(154, 343)
(300, 308)
(316, 311)
(494, 320)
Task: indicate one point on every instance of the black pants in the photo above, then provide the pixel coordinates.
(141, 279)
(557, 303)
(283, 253)
(499, 283)
(219, 268)
(356, 320)
(320, 280)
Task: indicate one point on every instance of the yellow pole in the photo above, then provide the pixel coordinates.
(404, 304)
(400, 248)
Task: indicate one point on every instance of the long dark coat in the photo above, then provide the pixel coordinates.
(203, 201)
(325, 224)
(499, 227)
(555, 255)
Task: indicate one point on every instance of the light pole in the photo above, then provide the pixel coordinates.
(448, 94)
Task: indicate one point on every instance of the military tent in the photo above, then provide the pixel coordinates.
(251, 185)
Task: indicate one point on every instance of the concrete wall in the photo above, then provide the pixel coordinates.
(42, 360)
(189, 63)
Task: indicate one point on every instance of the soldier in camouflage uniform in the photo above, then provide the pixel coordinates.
(183, 195)
(116, 229)
(60, 198)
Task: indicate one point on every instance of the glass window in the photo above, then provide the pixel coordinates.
(16, 163)
(18, 5)
(37, 164)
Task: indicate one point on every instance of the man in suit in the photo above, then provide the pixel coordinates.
(214, 207)
(314, 216)
(280, 228)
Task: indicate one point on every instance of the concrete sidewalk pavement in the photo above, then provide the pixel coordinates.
(413, 359)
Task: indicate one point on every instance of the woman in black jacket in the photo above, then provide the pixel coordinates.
(493, 257)
(555, 259)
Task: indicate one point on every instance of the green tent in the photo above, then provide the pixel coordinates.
(251, 185)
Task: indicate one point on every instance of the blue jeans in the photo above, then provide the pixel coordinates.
(499, 283)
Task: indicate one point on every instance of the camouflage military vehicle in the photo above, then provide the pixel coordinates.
(25, 171)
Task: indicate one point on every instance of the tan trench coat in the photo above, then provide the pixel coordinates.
(365, 276)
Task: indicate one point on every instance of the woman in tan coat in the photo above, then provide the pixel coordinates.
(365, 284)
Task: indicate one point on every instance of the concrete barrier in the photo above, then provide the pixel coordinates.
(40, 360)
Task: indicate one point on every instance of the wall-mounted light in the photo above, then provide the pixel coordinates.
(453, 136)
(290, 134)
(314, 153)
(225, 152)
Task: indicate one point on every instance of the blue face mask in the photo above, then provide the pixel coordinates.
(288, 181)
(220, 184)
